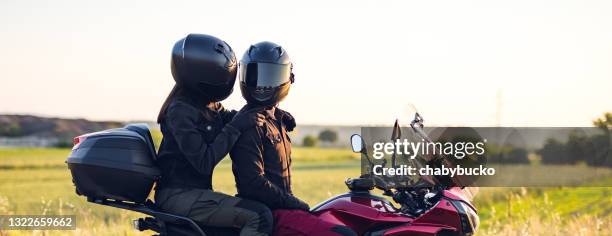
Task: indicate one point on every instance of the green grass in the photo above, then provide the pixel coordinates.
(549, 175)
(28, 158)
(545, 211)
(36, 181)
(23, 158)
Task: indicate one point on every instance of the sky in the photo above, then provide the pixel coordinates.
(472, 63)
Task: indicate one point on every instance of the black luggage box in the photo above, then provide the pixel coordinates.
(117, 164)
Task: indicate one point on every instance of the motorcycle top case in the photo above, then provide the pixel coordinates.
(117, 164)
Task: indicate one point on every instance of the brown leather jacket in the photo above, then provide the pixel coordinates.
(261, 162)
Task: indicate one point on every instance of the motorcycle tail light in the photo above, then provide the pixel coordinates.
(77, 140)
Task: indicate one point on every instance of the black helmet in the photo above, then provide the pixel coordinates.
(204, 65)
(265, 74)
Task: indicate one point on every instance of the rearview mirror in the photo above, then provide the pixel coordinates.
(357, 143)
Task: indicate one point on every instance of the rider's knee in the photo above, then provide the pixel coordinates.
(260, 217)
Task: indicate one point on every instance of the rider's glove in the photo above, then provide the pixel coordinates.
(289, 121)
(247, 119)
(299, 204)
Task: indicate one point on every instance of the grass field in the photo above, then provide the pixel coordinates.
(36, 181)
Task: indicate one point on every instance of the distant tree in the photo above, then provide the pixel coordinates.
(328, 136)
(506, 154)
(605, 122)
(603, 154)
(310, 141)
(10, 130)
(553, 152)
(592, 149)
(517, 156)
(578, 147)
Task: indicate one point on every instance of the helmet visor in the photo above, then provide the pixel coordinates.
(265, 74)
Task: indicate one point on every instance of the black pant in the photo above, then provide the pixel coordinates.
(209, 208)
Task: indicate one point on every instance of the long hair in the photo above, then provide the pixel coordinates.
(162, 111)
(198, 101)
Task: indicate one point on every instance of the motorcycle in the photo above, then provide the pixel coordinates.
(432, 207)
(426, 209)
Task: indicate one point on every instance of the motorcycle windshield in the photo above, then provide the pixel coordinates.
(470, 193)
(407, 137)
(424, 153)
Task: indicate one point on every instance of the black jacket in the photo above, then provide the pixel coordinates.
(195, 140)
(261, 162)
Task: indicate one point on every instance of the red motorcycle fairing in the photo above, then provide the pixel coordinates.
(367, 213)
(418, 230)
(360, 211)
(444, 213)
